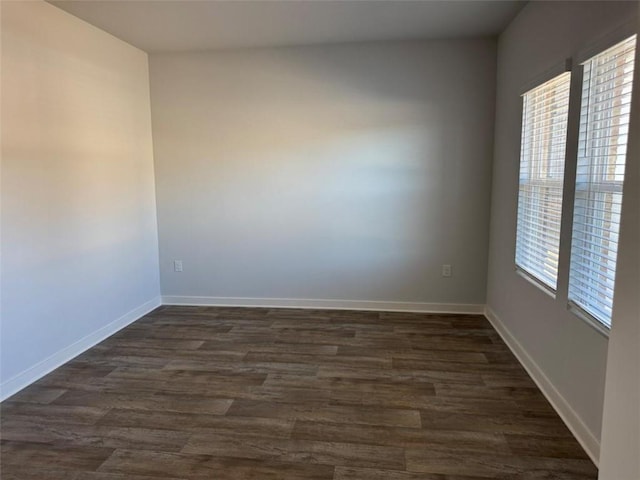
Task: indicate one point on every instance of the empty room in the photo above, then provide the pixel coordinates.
(319, 240)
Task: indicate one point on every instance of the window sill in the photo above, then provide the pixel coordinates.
(589, 320)
(536, 283)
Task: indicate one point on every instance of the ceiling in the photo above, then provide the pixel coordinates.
(184, 25)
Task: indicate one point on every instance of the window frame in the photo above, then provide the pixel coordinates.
(590, 49)
(549, 76)
(614, 186)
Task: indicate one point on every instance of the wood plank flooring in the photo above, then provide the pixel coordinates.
(239, 393)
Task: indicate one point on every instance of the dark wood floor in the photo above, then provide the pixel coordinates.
(230, 393)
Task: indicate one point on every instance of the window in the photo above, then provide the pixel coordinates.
(542, 152)
(604, 127)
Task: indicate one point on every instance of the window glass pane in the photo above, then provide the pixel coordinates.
(542, 153)
(604, 128)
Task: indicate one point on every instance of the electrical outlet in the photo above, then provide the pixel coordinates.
(177, 265)
(446, 270)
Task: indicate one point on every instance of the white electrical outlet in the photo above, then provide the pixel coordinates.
(446, 270)
(177, 265)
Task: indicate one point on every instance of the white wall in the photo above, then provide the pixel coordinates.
(567, 355)
(79, 240)
(345, 172)
(619, 459)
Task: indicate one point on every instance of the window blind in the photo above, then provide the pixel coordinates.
(604, 128)
(542, 152)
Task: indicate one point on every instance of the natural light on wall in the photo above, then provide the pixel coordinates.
(542, 154)
(604, 128)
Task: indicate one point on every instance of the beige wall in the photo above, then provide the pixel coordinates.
(568, 355)
(79, 239)
(620, 458)
(324, 175)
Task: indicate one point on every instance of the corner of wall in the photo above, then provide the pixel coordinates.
(39, 370)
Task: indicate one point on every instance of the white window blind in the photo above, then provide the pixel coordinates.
(604, 128)
(542, 153)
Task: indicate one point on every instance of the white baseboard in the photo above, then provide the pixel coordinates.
(39, 370)
(572, 420)
(324, 304)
